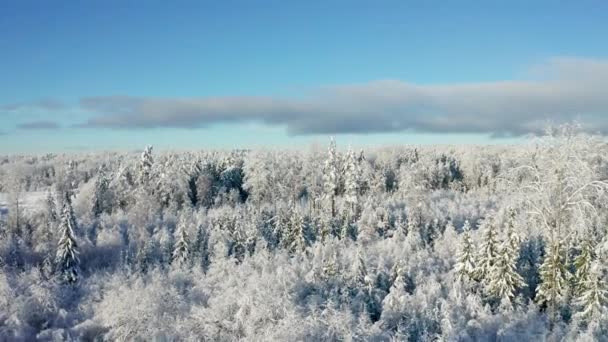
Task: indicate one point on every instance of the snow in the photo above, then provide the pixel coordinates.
(30, 201)
(253, 246)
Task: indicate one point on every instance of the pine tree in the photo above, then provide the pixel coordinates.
(394, 302)
(67, 250)
(101, 192)
(145, 166)
(513, 236)
(360, 276)
(200, 249)
(488, 252)
(554, 278)
(145, 256)
(503, 277)
(295, 237)
(330, 265)
(181, 249)
(351, 181)
(582, 264)
(593, 296)
(465, 265)
(51, 209)
(331, 180)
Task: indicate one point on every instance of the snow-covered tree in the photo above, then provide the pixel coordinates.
(352, 184)
(66, 260)
(295, 240)
(200, 248)
(465, 264)
(593, 296)
(554, 278)
(100, 194)
(181, 249)
(503, 277)
(582, 264)
(488, 252)
(50, 208)
(331, 176)
(145, 166)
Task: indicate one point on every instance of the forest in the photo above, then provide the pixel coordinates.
(323, 243)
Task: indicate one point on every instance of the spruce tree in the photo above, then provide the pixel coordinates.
(513, 236)
(351, 181)
(582, 264)
(593, 296)
(331, 176)
(67, 250)
(554, 278)
(100, 199)
(200, 250)
(145, 166)
(51, 209)
(465, 264)
(294, 237)
(361, 276)
(181, 249)
(488, 252)
(503, 276)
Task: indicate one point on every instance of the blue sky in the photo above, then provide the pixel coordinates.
(119, 75)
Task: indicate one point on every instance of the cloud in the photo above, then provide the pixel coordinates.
(39, 125)
(562, 90)
(42, 104)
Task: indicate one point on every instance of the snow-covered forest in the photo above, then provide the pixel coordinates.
(404, 243)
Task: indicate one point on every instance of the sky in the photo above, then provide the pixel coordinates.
(119, 75)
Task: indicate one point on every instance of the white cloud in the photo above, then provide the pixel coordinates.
(563, 89)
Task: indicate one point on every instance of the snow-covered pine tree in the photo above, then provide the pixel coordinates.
(330, 265)
(347, 223)
(66, 260)
(331, 176)
(351, 181)
(513, 236)
(465, 264)
(488, 252)
(200, 249)
(593, 296)
(359, 271)
(100, 195)
(144, 256)
(394, 303)
(181, 249)
(503, 277)
(296, 236)
(582, 264)
(51, 208)
(554, 278)
(367, 224)
(145, 166)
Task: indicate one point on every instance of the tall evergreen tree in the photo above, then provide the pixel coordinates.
(296, 236)
(200, 249)
(593, 296)
(51, 208)
(181, 249)
(100, 195)
(145, 166)
(465, 264)
(331, 176)
(67, 262)
(582, 264)
(351, 181)
(554, 278)
(503, 277)
(488, 252)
